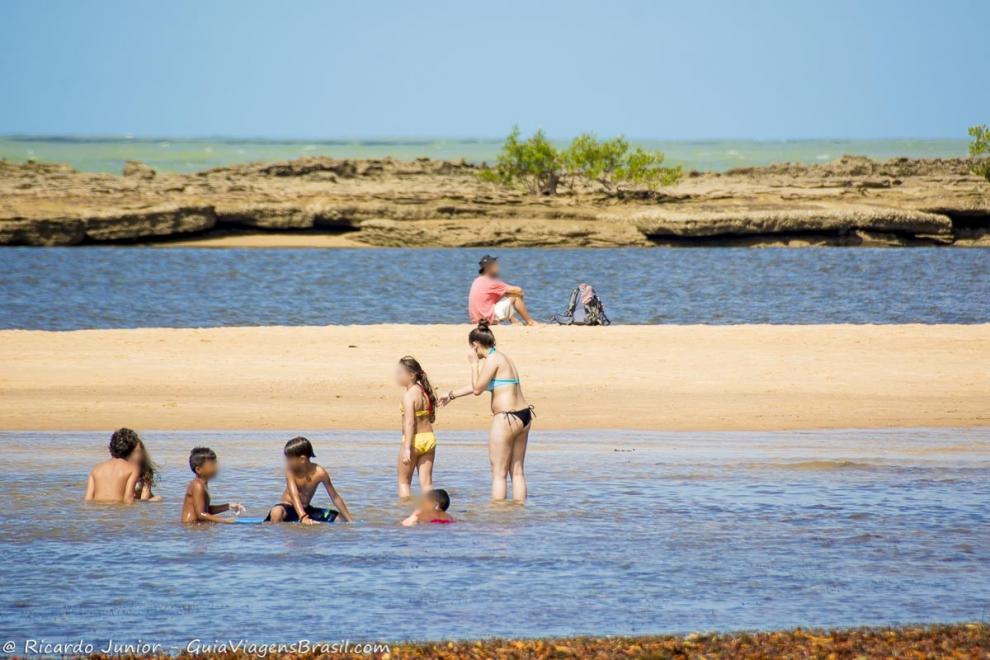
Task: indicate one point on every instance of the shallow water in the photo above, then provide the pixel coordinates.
(103, 287)
(625, 533)
(109, 154)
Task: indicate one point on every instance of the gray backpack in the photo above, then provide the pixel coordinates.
(583, 308)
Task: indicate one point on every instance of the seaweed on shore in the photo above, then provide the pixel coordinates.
(956, 641)
(967, 640)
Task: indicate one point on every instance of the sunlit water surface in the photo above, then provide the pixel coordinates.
(625, 533)
(102, 287)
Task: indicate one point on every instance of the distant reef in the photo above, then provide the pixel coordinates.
(426, 203)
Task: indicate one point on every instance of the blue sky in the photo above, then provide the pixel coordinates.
(758, 69)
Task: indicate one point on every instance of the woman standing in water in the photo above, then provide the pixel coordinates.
(512, 415)
(418, 410)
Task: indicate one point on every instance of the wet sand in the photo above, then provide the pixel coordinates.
(261, 239)
(634, 377)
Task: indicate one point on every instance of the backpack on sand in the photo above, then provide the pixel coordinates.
(583, 308)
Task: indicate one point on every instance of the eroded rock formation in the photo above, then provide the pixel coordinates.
(851, 201)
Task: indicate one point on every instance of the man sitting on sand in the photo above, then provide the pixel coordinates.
(492, 299)
(114, 479)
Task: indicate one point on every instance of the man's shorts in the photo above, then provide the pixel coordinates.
(504, 309)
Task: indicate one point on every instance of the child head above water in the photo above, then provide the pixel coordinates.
(431, 508)
(147, 467)
(203, 463)
(440, 499)
(123, 442)
(434, 501)
(297, 452)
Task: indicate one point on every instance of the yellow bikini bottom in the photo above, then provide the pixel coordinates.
(424, 442)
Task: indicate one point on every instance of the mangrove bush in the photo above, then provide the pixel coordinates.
(980, 147)
(541, 168)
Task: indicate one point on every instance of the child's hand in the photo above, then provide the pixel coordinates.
(443, 400)
(236, 507)
(472, 356)
(308, 521)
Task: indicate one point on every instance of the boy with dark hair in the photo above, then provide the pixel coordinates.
(196, 505)
(432, 508)
(302, 478)
(114, 480)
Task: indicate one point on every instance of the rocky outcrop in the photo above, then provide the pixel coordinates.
(385, 202)
(660, 223)
(139, 170)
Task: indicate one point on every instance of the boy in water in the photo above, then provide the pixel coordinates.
(196, 505)
(114, 480)
(432, 508)
(302, 478)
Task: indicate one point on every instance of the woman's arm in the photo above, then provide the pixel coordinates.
(481, 377)
(479, 380)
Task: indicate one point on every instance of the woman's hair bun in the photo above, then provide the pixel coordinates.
(482, 334)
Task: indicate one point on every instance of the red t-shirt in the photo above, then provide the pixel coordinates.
(484, 293)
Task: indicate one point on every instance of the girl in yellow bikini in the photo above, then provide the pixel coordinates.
(418, 409)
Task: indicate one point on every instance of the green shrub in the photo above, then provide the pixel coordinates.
(535, 163)
(979, 147)
(541, 167)
(594, 160)
(645, 169)
(610, 163)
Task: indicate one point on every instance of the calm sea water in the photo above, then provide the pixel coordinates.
(101, 287)
(109, 154)
(625, 533)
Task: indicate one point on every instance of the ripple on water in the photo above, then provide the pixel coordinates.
(690, 531)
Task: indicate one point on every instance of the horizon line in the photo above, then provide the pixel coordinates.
(426, 140)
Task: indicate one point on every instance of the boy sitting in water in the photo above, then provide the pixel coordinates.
(302, 478)
(432, 508)
(114, 480)
(196, 505)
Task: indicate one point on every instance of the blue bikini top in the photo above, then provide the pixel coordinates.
(499, 382)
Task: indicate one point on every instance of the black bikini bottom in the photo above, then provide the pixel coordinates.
(525, 415)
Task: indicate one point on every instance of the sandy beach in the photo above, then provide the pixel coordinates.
(635, 377)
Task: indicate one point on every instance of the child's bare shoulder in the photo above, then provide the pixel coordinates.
(321, 472)
(194, 486)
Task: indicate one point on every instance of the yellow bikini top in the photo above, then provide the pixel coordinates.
(419, 413)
